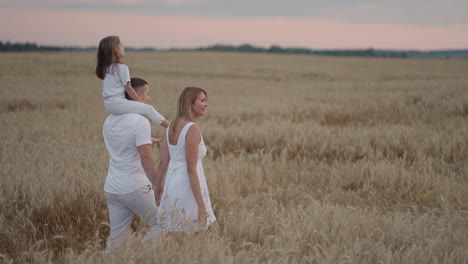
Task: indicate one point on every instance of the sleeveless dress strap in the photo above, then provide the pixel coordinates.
(182, 133)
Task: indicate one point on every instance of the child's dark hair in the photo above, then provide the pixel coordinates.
(106, 55)
(137, 84)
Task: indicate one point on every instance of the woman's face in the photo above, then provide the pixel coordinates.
(200, 105)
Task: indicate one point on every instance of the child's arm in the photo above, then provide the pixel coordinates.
(131, 92)
(164, 123)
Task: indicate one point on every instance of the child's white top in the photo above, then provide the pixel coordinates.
(113, 84)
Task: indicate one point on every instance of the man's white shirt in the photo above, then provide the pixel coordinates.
(122, 135)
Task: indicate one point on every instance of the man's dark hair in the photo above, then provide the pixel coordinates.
(137, 84)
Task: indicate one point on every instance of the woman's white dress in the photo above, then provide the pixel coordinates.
(178, 210)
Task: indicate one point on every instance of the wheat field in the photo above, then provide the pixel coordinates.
(311, 159)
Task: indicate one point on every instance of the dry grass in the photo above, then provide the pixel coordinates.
(311, 159)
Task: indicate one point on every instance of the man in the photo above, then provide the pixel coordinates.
(132, 170)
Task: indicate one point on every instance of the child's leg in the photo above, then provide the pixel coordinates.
(135, 107)
(114, 108)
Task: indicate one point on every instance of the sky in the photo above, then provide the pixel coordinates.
(332, 24)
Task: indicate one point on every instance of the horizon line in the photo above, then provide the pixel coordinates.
(132, 47)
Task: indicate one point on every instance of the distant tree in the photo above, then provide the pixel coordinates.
(249, 48)
(275, 49)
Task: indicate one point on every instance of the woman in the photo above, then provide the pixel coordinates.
(185, 202)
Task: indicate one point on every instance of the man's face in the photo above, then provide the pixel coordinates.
(144, 94)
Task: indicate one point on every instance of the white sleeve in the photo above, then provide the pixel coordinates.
(124, 74)
(142, 132)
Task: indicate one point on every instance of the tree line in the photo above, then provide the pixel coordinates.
(7, 46)
(370, 52)
(278, 49)
(30, 46)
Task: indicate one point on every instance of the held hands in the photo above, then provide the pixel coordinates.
(155, 140)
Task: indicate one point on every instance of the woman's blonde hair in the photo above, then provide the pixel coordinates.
(184, 105)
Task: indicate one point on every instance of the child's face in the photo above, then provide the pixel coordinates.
(120, 51)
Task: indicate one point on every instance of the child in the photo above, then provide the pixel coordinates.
(116, 81)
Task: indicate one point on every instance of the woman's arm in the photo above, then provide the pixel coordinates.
(161, 169)
(192, 141)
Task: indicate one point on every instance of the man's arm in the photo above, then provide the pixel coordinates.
(155, 173)
(147, 162)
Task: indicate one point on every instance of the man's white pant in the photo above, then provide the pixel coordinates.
(122, 208)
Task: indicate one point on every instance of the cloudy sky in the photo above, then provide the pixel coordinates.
(389, 24)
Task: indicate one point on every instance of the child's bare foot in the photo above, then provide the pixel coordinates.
(155, 140)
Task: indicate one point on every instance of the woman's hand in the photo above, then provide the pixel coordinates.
(202, 214)
(202, 218)
(214, 227)
(158, 195)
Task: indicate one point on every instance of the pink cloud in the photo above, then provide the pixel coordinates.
(367, 6)
(56, 27)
